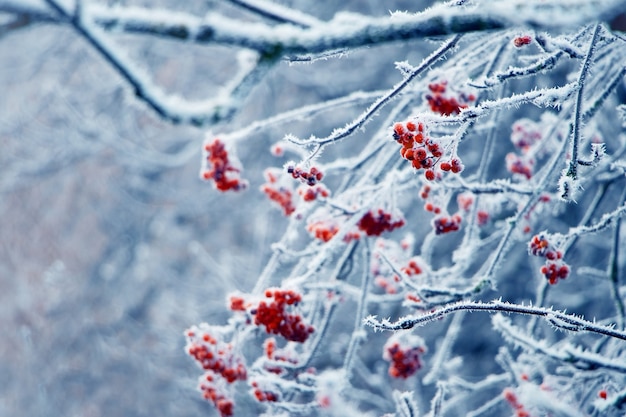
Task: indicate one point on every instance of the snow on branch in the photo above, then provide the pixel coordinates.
(343, 31)
(173, 108)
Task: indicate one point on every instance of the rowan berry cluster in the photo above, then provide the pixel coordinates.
(214, 393)
(310, 177)
(443, 223)
(520, 164)
(555, 267)
(375, 222)
(263, 395)
(403, 351)
(326, 229)
(390, 284)
(522, 40)
(412, 268)
(218, 167)
(217, 358)
(446, 224)
(274, 315)
(440, 103)
(525, 136)
(311, 193)
(424, 152)
(278, 193)
(213, 354)
(277, 357)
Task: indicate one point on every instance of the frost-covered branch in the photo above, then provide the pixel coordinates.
(175, 109)
(363, 118)
(557, 319)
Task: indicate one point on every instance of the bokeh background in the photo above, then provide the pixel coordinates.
(110, 244)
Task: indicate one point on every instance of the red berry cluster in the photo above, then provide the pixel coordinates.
(312, 193)
(522, 40)
(553, 270)
(276, 320)
(323, 230)
(389, 285)
(310, 177)
(219, 168)
(375, 222)
(263, 395)
(211, 392)
(523, 165)
(238, 303)
(412, 268)
(446, 224)
(525, 136)
(482, 217)
(555, 267)
(222, 366)
(404, 354)
(539, 246)
(277, 356)
(511, 398)
(277, 193)
(447, 106)
(213, 354)
(424, 152)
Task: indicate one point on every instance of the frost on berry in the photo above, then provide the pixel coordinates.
(276, 313)
(554, 268)
(326, 229)
(206, 345)
(213, 390)
(522, 40)
(446, 224)
(412, 267)
(425, 152)
(403, 351)
(520, 164)
(237, 303)
(310, 177)
(278, 361)
(526, 133)
(218, 167)
(323, 230)
(278, 190)
(222, 364)
(263, 393)
(312, 193)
